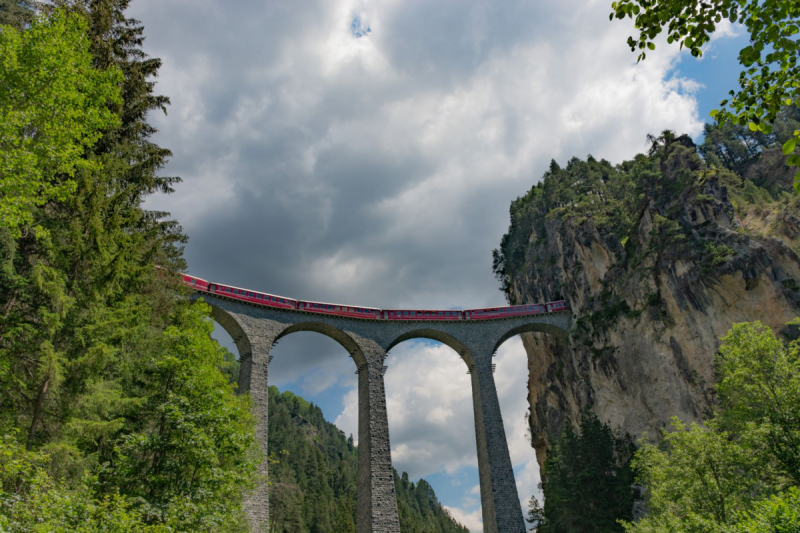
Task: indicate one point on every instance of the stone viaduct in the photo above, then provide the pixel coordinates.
(255, 329)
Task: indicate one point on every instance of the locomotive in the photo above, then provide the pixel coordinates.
(370, 313)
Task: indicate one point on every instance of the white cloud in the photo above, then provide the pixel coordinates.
(347, 421)
(471, 520)
(429, 403)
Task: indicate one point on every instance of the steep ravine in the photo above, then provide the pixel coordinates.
(656, 258)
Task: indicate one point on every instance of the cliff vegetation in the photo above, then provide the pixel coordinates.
(657, 257)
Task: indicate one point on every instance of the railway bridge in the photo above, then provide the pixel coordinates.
(255, 330)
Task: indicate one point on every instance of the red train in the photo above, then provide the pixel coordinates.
(371, 313)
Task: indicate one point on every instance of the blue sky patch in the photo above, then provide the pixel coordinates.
(359, 28)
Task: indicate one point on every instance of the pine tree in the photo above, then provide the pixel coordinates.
(108, 368)
(587, 481)
(16, 13)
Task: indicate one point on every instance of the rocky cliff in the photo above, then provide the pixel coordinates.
(657, 257)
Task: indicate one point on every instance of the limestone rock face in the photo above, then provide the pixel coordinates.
(649, 309)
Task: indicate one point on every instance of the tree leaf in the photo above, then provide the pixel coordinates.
(789, 146)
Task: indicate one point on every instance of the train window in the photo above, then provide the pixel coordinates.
(282, 301)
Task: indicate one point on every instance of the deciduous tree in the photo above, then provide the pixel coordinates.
(770, 78)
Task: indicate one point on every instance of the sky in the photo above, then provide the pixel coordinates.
(367, 152)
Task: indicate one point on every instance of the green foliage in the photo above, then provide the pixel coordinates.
(770, 61)
(16, 13)
(716, 254)
(108, 375)
(700, 484)
(31, 501)
(759, 391)
(768, 82)
(313, 477)
(53, 106)
(420, 510)
(737, 148)
(739, 471)
(586, 481)
(591, 196)
(779, 514)
(188, 452)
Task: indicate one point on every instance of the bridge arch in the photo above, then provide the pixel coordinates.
(343, 338)
(532, 327)
(234, 329)
(436, 335)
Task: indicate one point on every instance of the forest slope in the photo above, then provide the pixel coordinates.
(313, 474)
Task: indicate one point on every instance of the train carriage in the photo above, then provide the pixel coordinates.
(196, 283)
(556, 307)
(369, 313)
(258, 298)
(422, 314)
(504, 312)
